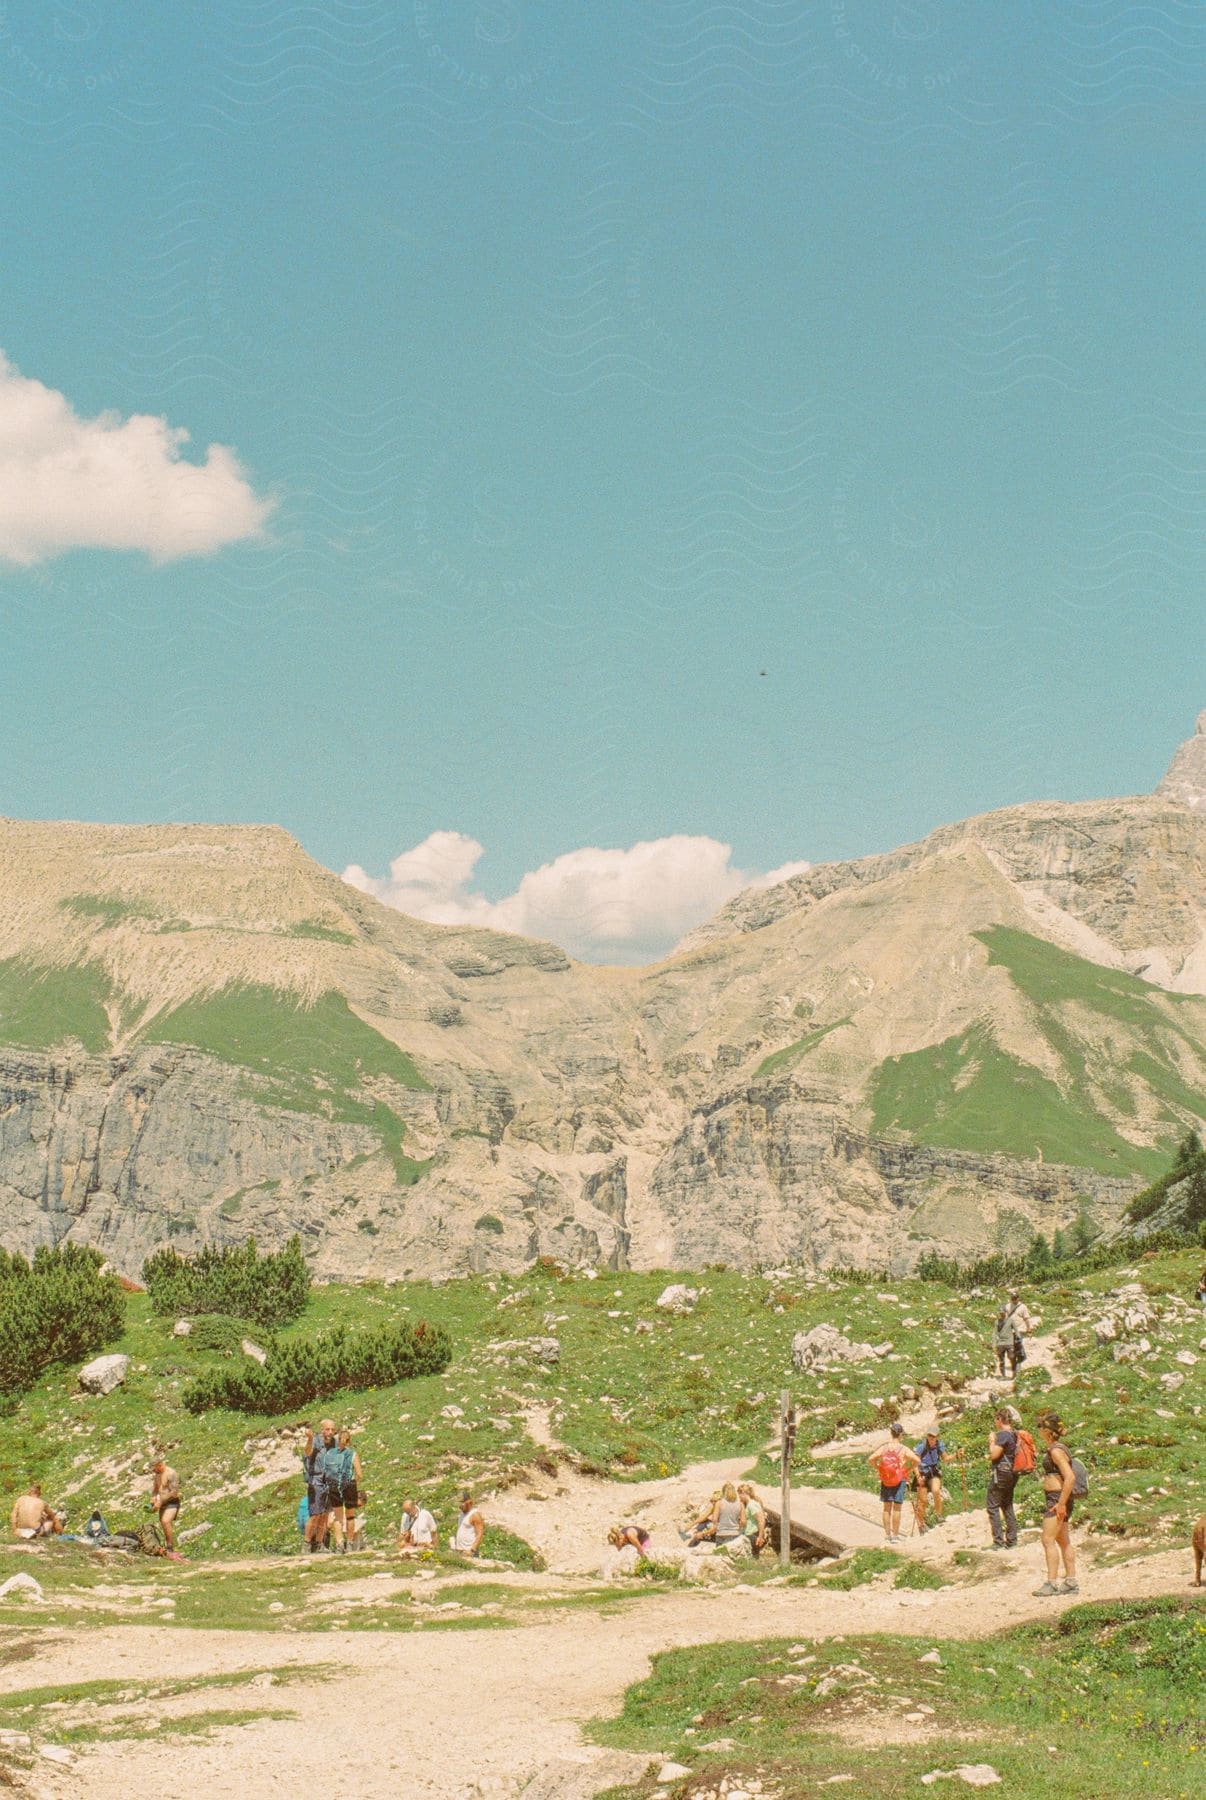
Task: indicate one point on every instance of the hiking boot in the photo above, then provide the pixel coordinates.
(1048, 1587)
(998, 1544)
(1070, 1587)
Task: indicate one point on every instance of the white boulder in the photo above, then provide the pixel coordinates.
(678, 1298)
(21, 1587)
(253, 1351)
(825, 1345)
(182, 1328)
(103, 1374)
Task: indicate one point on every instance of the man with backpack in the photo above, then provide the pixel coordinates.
(893, 1461)
(1010, 1454)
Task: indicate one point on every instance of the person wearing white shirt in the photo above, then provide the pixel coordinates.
(418, 1530)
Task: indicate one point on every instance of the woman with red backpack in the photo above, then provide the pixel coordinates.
(893, 1461)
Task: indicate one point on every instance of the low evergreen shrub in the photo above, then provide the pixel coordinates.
(59, 1308)
(313, 1368)
(271, 1289)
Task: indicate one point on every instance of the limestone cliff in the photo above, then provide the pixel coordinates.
(203, 1033)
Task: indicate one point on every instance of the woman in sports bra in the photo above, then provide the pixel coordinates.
(1058, 1482)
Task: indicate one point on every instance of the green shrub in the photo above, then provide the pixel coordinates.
(313, 1368)
(271, 1289)
(217, 1331)
(57, 1309)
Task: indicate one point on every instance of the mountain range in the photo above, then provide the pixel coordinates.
(204, 1034)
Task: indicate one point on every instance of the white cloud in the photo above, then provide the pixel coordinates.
(109, 483)
(612, 906)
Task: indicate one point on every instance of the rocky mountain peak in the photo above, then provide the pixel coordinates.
(1185, 780)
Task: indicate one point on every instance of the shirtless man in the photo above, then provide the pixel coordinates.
(165, 1499)
(32, 1518)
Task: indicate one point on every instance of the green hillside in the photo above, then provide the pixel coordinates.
(1111, 1032)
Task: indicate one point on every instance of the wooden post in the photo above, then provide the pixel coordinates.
(787, 1435)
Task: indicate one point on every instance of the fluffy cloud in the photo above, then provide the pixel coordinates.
(611, 906)
(109, 483)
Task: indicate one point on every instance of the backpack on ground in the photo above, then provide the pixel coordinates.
(891, 1468)
(1024, 1459)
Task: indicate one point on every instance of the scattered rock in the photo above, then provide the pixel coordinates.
(57, 1753)
(976, 1775)
(452, 1412)
(643, 1325)
(705, 1568)
(678, 1298)
(104, 1373)
(931, 1656)
(1105, 1330)
(823, 1345)
(1186, 1358)
(182, 1327)
(253, 1351)
(1170, 1382)
(547, 1350)
(672, 1771)
(20, 1586)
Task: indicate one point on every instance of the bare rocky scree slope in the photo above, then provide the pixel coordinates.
(203, 1033)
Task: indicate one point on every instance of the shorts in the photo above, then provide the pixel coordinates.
(350, 1496)
(320, 1497)
(168, 1512)
(1051, 1501)
(893, 1496)
(925, 1478)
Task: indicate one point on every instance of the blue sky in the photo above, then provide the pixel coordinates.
(773, 424)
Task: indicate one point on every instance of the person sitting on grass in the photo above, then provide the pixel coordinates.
(1059, 1478)
(893, 1461)
(470, 1528)
(32, 1518)
(418, 1530)
(165, 1499)
(927, 1478)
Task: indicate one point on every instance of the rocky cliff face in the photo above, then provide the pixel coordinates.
(1185, 781)
(203, 1034)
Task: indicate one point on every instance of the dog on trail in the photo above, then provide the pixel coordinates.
(1199, 1550)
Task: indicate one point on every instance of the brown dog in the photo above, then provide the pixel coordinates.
(1199, 1550)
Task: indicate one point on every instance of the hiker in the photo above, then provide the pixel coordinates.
(755, 1517)
(1059, 1481)
(470, 1528)
(1019, 1317)
(1002, 1479)
(927, 1478)
(345, 1514)
(621, 1537)
(1005, 1343)
(165, 1499)
(893, 1461)
(418, 1530)
(728, 1517)
(322, 1460)
(702, 1530)
(1201, 1293)
(32, 1518)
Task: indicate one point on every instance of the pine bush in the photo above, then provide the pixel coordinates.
(313, 1368)
(270, 1290)
(59, 1308)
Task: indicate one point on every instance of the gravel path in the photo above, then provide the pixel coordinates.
(451, 1715)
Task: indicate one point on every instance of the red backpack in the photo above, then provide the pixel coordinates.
(1023, 1455)
(891, 1467)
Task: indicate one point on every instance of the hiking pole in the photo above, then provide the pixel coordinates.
(787, 1439)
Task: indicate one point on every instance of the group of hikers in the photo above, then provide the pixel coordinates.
(330, 1515)
(734, 1520)
(32, 1517)
(1011, 1453)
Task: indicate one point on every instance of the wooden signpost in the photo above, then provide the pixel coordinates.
(787, 1443)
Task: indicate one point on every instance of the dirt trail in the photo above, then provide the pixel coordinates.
(454, 1715)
